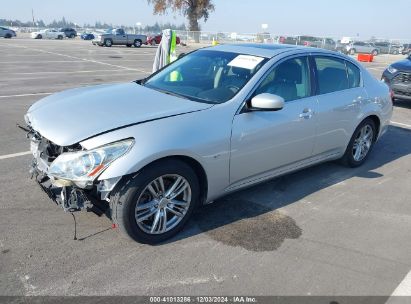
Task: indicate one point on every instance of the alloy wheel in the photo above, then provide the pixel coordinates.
(163, 204)
(362, 143)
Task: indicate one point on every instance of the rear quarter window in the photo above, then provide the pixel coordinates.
(354, 75)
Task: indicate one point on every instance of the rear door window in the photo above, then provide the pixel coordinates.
(331, 74)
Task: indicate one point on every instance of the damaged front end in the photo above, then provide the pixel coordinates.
(68, 175)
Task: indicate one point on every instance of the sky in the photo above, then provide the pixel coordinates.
(354, 18)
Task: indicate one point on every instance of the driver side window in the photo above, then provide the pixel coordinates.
(290, 80)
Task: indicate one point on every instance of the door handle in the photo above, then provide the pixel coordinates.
(306, 114)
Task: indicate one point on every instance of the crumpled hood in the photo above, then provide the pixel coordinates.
(71, 116)
(403, 65)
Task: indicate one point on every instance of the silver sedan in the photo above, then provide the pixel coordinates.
(219, 119)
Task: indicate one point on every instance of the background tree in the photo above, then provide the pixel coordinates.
(194, 10)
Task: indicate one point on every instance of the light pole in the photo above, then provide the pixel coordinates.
(138, 24)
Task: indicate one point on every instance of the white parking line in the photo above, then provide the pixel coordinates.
(14, 155)
(29, 94)
(401, 124)
(402, 290)
(83, 59)
(64, 72)
(376, 69)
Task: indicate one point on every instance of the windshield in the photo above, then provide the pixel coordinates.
(206, 75)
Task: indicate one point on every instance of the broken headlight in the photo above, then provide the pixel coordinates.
(84, 166)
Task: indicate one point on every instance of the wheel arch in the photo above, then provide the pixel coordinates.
(377, 123)
(198, 169)
(192, 162)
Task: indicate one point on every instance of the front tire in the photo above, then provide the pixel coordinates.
(60, 37)
(8, 36)
(352, 52)
(157, 202)
(361, 144)
(108, 43)
(375, 53)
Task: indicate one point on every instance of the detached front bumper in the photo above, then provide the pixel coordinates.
(70, 198)
(65, 193)
(97, 42)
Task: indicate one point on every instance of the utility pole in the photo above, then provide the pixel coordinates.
(32, 15)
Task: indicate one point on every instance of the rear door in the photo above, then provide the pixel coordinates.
(339, 92)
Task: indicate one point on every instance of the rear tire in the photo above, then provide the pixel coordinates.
(360, 144)
(39, 37)
(128, 45)
(60, 37)
(375, 53)
(8, 36)
(352, 52)
(134, 199)
(137, 43)
(153, 42)
(72, 36)
(395, 52)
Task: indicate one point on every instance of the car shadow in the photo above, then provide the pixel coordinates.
(250, 218)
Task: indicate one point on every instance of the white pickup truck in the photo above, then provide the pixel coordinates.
(119, 37)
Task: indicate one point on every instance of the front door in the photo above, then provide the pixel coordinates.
(120, 37)
(263, 141)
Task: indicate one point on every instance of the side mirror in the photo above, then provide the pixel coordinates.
(267, 102)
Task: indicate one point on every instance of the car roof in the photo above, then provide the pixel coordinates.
(264, 50)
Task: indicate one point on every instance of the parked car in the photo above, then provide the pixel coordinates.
(287, 40)
(119, 37)
(387, 48)
(149, 155)
(361, 47)
(154, 40)
(309, 41)
(324, 43)
(406, 49)
(47, 34)
(398, 78)
(87, 36)
(69, 32)
(6, 32)
(328, 44)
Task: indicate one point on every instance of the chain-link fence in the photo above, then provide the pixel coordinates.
(344, 44)
(332, 42)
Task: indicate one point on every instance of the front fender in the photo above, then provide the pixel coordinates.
(191, 135)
